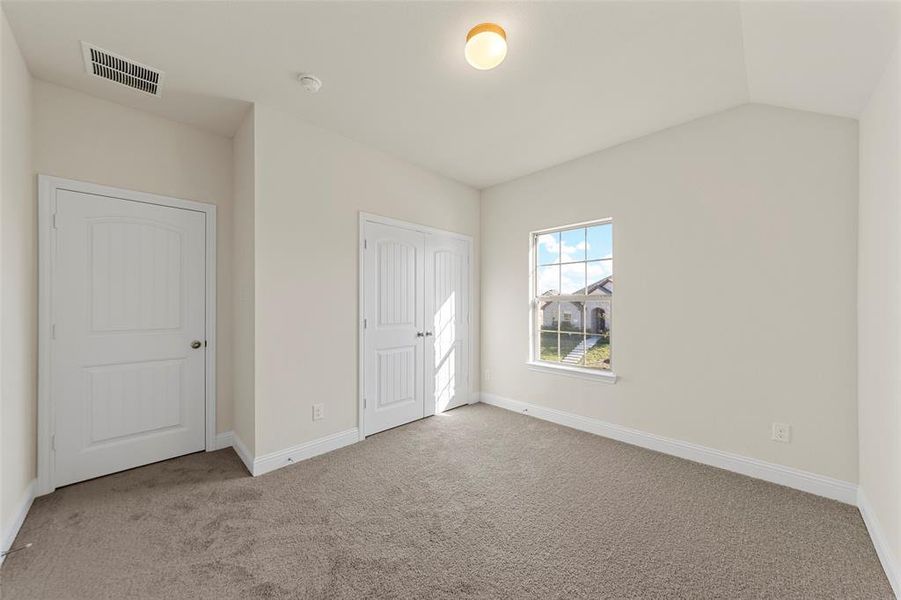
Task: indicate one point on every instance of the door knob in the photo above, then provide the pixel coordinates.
(428, 333)
(196, 344)
(419, 334)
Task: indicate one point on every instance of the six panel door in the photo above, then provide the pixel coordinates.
(128, 303)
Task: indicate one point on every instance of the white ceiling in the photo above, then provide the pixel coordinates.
(578, 77)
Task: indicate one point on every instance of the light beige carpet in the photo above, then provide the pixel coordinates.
(477, 503)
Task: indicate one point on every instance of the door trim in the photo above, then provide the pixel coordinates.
(364, 218)
(47, 188)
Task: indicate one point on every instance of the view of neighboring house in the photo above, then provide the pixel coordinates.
(569, 315)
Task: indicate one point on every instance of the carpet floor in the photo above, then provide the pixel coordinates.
(476, 503)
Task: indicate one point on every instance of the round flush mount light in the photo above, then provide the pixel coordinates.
(486, 46)
(310, 83)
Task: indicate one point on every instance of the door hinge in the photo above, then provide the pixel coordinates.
(364, 402)
(365, 323)
(53, 442)
(365, 244)
(53, 221)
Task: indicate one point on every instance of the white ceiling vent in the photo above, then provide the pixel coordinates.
(109, 65)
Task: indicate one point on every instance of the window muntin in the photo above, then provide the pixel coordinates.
(572, 288)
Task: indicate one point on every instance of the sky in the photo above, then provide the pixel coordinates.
(567, 260)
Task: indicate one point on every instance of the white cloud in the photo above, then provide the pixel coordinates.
(599, 270)
(571, 253)
(548, 279)
(549, 242)
(572, 278)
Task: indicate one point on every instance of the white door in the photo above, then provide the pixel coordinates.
(415, 324)
(127, 355)
(393, 267)
(447, 319)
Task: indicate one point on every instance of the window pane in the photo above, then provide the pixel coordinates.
(548, 349)
(548, 248)
(548, 315)
(548, 283)
(598, 316)
(571, 316)
(599, 270)
(600, 241)
(572, 245)
(573, 279)
(598, 320)
(571, 348)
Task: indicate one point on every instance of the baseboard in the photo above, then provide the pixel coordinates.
(883, 550)
(11, 531)
(820, 485)
(282, 458)
(243, 453)
(224, 439)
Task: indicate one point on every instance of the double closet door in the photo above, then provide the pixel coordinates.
(416, 329)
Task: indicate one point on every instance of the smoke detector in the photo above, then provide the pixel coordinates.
(114, 67)
(310, 82)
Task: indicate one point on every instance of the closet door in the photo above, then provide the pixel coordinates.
(394, 285)
(447, 323)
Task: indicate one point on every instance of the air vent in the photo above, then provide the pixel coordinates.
(108, 65)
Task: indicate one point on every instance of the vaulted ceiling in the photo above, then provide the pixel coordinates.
(579, 76)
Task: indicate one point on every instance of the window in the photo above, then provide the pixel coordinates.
(572, 289)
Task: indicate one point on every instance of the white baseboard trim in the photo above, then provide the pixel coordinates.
(243, 453)
(883, 550)
(805, 481)
(224, 439)
(283, 458)
(12, 530)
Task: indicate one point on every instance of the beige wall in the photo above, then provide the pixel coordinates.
(310, 187)
(81, 137)
(879, 304)
(735, 250)
(243, 353)
(18, 349)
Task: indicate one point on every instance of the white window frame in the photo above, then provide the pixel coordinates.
(534, 363)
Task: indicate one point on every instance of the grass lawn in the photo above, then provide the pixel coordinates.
(597, 357)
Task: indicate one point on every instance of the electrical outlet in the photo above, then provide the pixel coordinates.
(317, 412)
(782, 432)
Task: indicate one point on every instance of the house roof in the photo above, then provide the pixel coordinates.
(600, 287)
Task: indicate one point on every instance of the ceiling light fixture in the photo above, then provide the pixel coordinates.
(486, 46)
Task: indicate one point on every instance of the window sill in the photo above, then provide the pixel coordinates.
(578, 372)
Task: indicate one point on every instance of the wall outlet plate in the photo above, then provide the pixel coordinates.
(782, 432)
(318, 411)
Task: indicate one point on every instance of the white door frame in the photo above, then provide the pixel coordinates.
(361, 284)
(47, 188)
